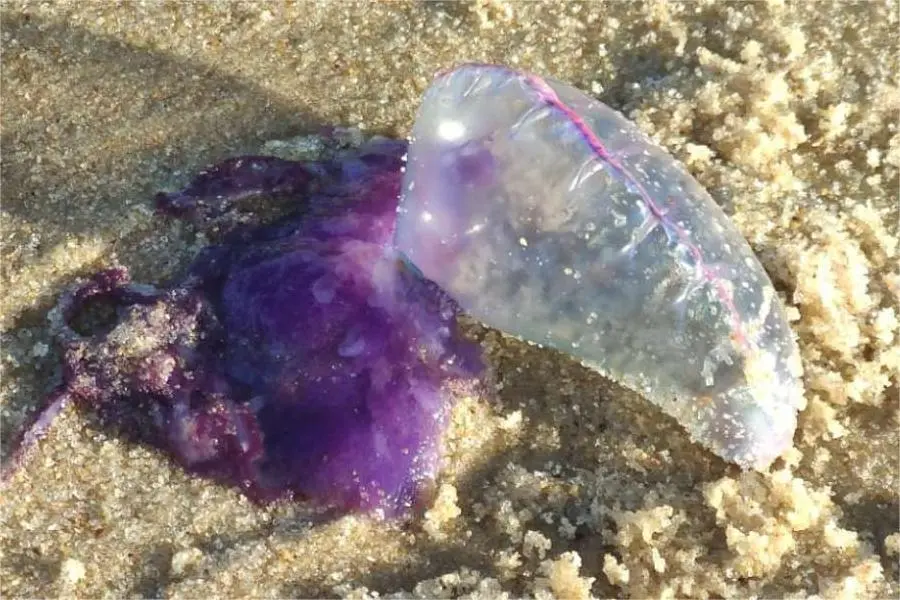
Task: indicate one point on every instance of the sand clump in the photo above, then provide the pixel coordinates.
(558, 483)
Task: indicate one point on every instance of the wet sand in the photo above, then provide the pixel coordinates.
(561, 484)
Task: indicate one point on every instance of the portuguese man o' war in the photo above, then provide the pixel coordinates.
(549, 216)
(318, 356)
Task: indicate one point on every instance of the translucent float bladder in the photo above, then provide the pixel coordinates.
(550, 216)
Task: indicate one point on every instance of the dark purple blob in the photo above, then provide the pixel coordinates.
(301, 358)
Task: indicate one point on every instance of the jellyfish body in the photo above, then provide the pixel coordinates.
(303, 358)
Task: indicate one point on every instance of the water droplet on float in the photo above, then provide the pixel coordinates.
(554, 164)
(451, 130)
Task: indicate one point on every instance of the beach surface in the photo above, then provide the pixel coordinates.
(558, 483)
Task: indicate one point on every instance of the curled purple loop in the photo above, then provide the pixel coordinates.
(114, 284)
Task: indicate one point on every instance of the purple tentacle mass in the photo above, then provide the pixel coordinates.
(301, 358)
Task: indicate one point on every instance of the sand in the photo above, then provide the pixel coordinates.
(560, 483)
